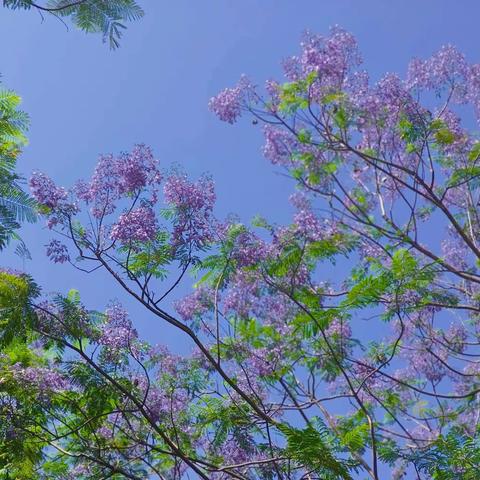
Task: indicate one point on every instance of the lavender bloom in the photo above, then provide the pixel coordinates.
(118, 333)
(166, 361)
(44, 379)
(195, 304)
(427, 365)
(331, 58)
(242, 294)
(193, 203)
(115, 177)
(137, 169)
(308, 225)
(162, 403)
(266, 360)
(139, 225)
(446, 69)
(227, 105)
(45, 191)
(279, 146)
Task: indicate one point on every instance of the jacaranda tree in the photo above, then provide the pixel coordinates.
(370, 371)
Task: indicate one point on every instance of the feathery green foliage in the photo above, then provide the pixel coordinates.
(107, 17)
(16, 206)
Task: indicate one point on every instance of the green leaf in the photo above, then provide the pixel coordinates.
(444, 136)
(308, 448)
(474, 153)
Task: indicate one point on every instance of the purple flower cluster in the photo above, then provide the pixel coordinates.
(193, 203)
(455, 251)
(164, 359)
(42, 378)
(447, 71)
(162, 403)
(247, 248)
(425, 364)
(138, 225)
(310, 226)
(45, 191)
(195, 304)
(118, 333)
(280, 146)
(116, 177)
(331, 58)
(242, 294)
(228, 104)
(266, 361)
(339, 329)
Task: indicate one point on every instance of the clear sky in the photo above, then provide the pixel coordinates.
(84, 99)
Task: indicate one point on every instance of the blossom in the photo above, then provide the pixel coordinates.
(331, 58)
(43, 378)
(246, 247)
(446, 68)
(197, 303)
(227, 105)
(138, 225)
(117, 333)
(339, 329)
(166, 361)
(308, 224)
(265, 361)
(193, 204)
(45, 191)
(118, 176)
(161, 402)
(279, 146)
(428, 365)
(183, 194)
(242, 294)
(137, 169)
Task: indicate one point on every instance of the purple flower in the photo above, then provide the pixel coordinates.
(425, 364)
(118, 333)
(139, 225)
(137, 169)
(242, 294)
(455, 251)
(447, 68)
(160, 402)
(227, 105)
(45, 191)
(115, 177)
(279, 146)
(193, 203)
(42, 378)
(308, 225)
(247, 249)
(331, 58)
(197, 303)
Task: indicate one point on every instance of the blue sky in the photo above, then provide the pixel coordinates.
(84, 99)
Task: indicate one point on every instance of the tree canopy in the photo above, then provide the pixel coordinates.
(294, 372)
